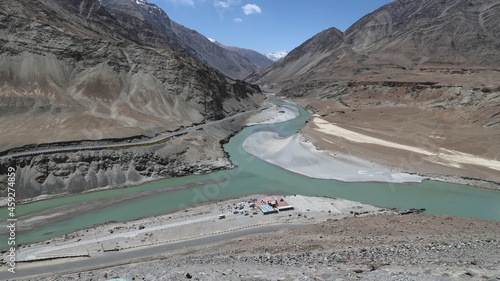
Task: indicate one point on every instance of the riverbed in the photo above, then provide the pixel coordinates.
(254, 176)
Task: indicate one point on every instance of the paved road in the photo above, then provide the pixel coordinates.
(108, 259)
(32, 253)
(152, 141)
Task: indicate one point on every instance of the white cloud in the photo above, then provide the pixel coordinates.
(249, 9)
(222, 4)
(237, 20)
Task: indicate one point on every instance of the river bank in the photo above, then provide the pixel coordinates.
(296, 154)
(194, 222)
(324, 150)
(67, 211)
(373, 246)
(413, 139)
(194, 150)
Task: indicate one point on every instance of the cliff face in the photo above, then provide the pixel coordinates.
(74, 70)
(413, 33)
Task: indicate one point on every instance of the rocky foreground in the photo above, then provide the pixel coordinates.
(383, 247)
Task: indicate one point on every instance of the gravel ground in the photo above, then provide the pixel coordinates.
(382, 247)
(193, 222)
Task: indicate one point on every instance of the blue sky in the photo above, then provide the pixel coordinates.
(266, 25)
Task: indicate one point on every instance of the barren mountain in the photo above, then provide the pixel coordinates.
(257, 59)
(408, 36)
(423, 73)
(75, 70)
(80, 71)
(229, 63)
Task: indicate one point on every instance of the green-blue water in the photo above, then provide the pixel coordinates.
(256, 176)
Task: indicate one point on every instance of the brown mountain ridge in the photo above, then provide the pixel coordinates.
(82, 71)
(423, 73)
(73, 71)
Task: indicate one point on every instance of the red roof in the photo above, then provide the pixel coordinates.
(279, 200)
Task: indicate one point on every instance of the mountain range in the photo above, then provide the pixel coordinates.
(195, 44)
(84, 71)
(408, 45)
(77, 71)
(403, 36)
(257, 59)
(276, 56)
(94, 70)
(423, 73)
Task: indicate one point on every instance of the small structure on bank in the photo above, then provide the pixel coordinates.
(272, 204)
(266, 209)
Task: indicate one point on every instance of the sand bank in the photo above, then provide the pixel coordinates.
(273, 114)
(296, 154)
(437, 155)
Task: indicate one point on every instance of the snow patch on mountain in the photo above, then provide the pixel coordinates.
(276, 56)
(150, 7)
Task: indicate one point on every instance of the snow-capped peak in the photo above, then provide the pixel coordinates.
(276, 56)
(212, 40)
(152, 8)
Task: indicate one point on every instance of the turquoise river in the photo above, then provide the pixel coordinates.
(253, 176)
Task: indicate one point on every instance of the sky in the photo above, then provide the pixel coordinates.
(266, 25)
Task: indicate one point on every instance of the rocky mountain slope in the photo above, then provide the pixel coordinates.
(420, 73)
(86, 72)
(226, 61)
(75, 71)
(407, 36)
(257, 59)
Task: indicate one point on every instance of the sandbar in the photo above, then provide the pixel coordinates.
(273, 114)
(296, 154)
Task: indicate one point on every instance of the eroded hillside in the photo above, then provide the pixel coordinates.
(73, 71)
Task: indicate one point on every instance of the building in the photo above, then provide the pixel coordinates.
(277, 204)
(266, 209)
